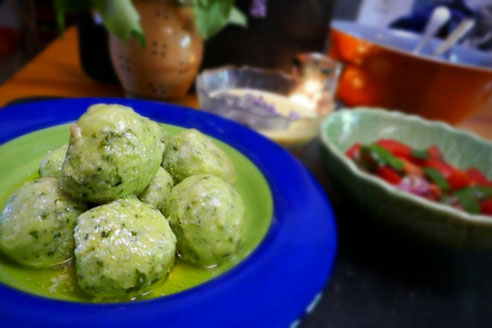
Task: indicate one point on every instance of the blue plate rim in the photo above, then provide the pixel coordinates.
(318, 236)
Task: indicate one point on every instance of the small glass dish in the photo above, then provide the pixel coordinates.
(274, 103)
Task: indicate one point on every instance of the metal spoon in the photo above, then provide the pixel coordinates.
(464, 27)
(439, 17)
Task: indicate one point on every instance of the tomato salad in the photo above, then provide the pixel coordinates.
(425, 172)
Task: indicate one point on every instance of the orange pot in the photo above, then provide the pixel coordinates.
(381, 71)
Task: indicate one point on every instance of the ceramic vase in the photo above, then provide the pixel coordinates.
(167, 65)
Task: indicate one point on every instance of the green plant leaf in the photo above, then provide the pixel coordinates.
(120, 18)
(62, 7)
(60, 10)
(236, 17)
(212, 15)
(437, 178)
(138, 33)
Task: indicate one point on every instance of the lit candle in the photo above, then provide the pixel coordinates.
(308, 94)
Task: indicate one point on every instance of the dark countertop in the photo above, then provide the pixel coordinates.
(382, 280)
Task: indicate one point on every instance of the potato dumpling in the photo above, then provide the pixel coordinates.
(158, 189)
(206, 215)
(36, 225)
(191, 153)
(113, 152)
(122, 248)
(51, 165)
(160, 132)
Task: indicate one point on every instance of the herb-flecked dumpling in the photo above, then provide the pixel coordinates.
(51, 165)
(206, 215)
(158, 189)
(161, 133)
(37, 222)
(122, 248)
(113, 152)
(191, 153)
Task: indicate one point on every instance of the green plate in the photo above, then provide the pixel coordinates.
(19, 162)
(407, 213)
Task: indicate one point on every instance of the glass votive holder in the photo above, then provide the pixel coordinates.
(286, 108)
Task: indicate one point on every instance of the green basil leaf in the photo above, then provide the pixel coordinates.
(368, 165)
(482, 192)
(468, 200)
(420, 153)
(381, 155)
(437, 178)
(446, 199)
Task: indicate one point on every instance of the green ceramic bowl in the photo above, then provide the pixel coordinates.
(410, 214)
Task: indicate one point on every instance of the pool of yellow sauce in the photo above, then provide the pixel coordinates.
(299, 131)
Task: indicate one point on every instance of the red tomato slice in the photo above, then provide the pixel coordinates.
(477, 177)
(397, 148)
(459, 179)
(354, 151)
(388, 175)
(486, 207)
(436, 192)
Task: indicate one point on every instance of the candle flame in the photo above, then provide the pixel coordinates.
(312, 87)
(308, 94)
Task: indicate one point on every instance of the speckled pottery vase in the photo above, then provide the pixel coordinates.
(167, 65)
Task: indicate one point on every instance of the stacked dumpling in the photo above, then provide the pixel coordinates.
(192, 153)
(122, 248)
(36, 225)
(124, 244)
(206, 215)
(113, 152)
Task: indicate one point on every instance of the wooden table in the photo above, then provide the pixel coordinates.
(57, 72)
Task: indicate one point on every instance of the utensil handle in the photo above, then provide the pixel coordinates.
(463, 28)
(439, 17)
